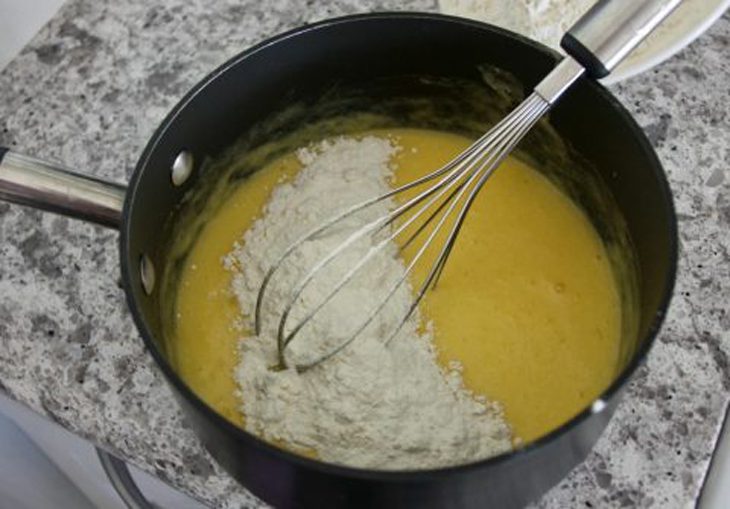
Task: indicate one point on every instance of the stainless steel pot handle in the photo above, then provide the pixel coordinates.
(29, 181)
(610, 29)
(121, 479)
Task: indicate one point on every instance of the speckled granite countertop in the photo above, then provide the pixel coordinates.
(90, 89)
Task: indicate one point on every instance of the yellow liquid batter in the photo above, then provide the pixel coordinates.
(528, 303)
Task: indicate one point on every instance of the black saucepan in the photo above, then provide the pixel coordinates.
(368, 60)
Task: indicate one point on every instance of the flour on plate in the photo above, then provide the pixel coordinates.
(372, 406)
(543, 20)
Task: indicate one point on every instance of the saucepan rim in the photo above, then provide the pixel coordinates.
(129, 260)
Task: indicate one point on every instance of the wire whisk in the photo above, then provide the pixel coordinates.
(600, 39)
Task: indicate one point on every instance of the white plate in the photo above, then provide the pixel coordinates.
(683, 26)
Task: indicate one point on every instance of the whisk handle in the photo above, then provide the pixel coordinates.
(608, 32)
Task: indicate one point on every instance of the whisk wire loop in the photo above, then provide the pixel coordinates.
(437, 191)
(461, 179)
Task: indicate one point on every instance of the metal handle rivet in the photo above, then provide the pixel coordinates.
(182, 168)
(147, 274)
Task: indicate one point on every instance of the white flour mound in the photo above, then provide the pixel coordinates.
(372, 406)
(543, 20)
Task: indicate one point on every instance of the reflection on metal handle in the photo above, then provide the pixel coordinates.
(29, 181)
(611, 29)
(118, 473)
(559, 80)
